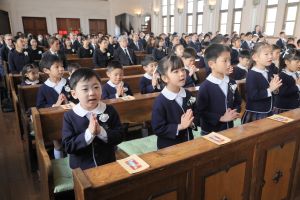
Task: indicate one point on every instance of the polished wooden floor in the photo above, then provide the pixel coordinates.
(16, 180)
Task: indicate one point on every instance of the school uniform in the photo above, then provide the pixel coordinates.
(259, 98)
(146, 85)
(281, 43)
(214, 97)
(158, 54)
(190, 81)
(93, 46)
(69, 51)
(195, 45)
(273, 69)
(288, 97)
(125, 56)
(35, 54)
(61, 55)
(85, 53)
(246, 45)
(183, 42)
(234, 56)
(48, 93)
(167, 110)
(17, 60)
(86, 150)
(149, 49)
(109, 90)
(28, 82)
(101, 59)
(239, 72)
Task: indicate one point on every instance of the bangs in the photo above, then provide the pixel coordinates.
(175, 62)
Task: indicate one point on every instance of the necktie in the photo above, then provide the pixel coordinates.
(297, 75)
(128, 56)
(137, 45)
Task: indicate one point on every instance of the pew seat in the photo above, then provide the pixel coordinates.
(62, 175)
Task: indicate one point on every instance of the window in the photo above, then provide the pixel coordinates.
(164, 7)
(290, 16)
(223, 16)
(164, 25)
(190, 23)
(200, 16)
(172, 6)
(172, 24)
(271, 17)
(190, 6)
(237, 15)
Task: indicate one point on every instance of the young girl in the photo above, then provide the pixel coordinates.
(188, 58)
(85, 51)
(30, 75)
(274, 67)
(92, 129)
(178, 50)
(102, 56)
(235, 49)
(260, 85)
(159, 51)
(172, 114)
(288, 96)
(35, 52)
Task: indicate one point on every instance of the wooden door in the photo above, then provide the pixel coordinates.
(98, 25)
(35, 25)
(4, 21)
(68, 24)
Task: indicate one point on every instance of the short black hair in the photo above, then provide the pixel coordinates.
(274, 47)
(245, 54)
(27, 68)
(213, 51)
(248, 33)
(298, 41)
(148, 59)
(189, 53)
(218, 39)
(82, 74)
(73, 66)
(48, 60)
(114, 64)
(174, 62)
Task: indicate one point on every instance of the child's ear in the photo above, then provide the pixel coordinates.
(108, 74)
(164, 78)
(45, 70)
(211, 63)
(73, 93)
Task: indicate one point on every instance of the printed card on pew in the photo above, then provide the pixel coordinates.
(128, 98)
(133, 164)
(281, 118)
(217, 138)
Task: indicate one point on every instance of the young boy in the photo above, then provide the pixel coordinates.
(218, 100)
(92, 129)
(240, 71)
(274, 67)
(115, 87)
(149, 83)
(188, 58)
(235, 49)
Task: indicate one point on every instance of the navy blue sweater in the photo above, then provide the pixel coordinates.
(146, 86)
(109, 92)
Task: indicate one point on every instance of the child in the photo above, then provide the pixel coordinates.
(218, 100)
(178, 50)
(115, 87)
(30, 75)
(288, 96)
(85, 51)
(72, 67)
(92, 129)
(35, 52)
(68, 47)
(172, 114)
(101, 55)
(188, 58)
(274, 67)
(149, 83)
(247, 43)
(236, 45)
(159, 50)
(259, 85)
(241, 70)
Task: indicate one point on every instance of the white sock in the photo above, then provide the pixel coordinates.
(58, 154)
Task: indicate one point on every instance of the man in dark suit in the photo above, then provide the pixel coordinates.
(6, 48)
(136, 45)
(123, 54)
(194, 43)
(281, 42)
(246, 45)
(55, 50)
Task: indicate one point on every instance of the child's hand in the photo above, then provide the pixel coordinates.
(61, 99)
(154, 79)
(192, 70)
(229, 115)
(120, 90)
(298, 81)
(186, 120)
(94, 126)
(275, 83)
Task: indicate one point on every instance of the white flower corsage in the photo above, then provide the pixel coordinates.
(191, 101)
(103, 117)
(233, 87)
(40, 52)
(73, 50)
(164, 50)
(91, 51)
(67, 88)
(108, 54)
(25, 53)
(125, 89)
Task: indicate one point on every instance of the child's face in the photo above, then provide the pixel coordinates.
(115, 76)
(188, 61)
(150, 68)
(221, 65)
(245, 62)
(175, 78)
(179, 51)
(20, 43)
(293, 65)
(86, 42)
(276, 54)
(104, 44)
(56, 71)
(88, 92)
(33, 74)
(237, 44)
(161, 43)
(263, 57)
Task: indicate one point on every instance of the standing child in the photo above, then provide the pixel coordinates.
(240, 71)
(274, 67)
(218, 100)
(178, 50)
(235, 49)
(259, 85)
(115, 87)
(30, 75)
(172, 113)
(149, 83)
(92, 129)
(288, 96)
(188, 58)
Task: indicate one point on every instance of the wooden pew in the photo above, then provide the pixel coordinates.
(128, 71)
(140, 55)
(83, 62)
(71, 56)
(259, 163)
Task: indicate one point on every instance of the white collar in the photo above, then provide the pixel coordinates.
(187, 68)
(289, 73)
(62, 82)
(28, 82)
(112, 84)
(242, 67)
(10, 48)
(82, 112)
(147, 76)
(171, 95)
(259, 70)
(217, 81)
(52, 52)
